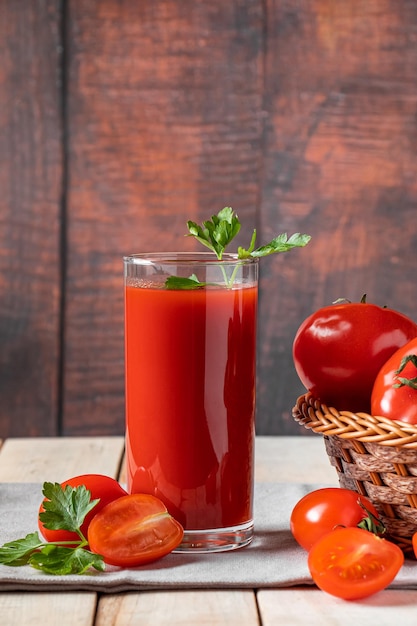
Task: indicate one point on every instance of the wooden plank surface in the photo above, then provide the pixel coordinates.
(162, 130)
(278, 458)
(56, 460)
(180, 608)
(303, 460)
(339, 164)
(299, 115)
(291, 606)
(30, 194)
(27, 608)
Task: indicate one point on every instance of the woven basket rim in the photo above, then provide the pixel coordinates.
(363, 427)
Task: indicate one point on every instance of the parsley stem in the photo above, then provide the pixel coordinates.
(233, 276)
(225, 276)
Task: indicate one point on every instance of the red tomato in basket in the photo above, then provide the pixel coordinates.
(134, 530)
(352, 563)
(394, 394)
(321, 511)
(339, 350)
(102, 488)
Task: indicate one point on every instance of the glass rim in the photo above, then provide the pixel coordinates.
(190, 258)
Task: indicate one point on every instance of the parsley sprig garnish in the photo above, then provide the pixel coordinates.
(65, 509)
(217, 233)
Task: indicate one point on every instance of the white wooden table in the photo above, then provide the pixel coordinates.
(299, 459)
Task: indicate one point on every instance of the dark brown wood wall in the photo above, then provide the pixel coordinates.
(120, 120)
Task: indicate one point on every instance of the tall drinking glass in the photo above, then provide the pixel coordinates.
(190, 358)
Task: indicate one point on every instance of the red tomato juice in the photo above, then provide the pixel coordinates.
(190, 400)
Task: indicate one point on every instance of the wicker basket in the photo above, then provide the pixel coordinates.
(374, 456)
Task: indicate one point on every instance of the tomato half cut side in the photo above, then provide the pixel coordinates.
(102, 488)
(352, 563)
(134, 530)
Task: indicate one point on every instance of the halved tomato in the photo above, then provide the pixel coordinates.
(353, 563)
(134, 530)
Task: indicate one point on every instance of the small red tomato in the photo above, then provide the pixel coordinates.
(339, 350)
(322, 510)
(134, 530)
(102, 488)
(415, 544)
(353, 563)
(394, 394)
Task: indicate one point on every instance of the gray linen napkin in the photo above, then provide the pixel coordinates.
(272, 560)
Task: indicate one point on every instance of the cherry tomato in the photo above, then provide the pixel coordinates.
(134, 530)
(394, 394)
(353, 563)
(339, 349)
(103, 488)
(322, 510)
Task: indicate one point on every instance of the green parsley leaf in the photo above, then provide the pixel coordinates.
(217, 233)
(61, 561)
(17, 552)
(177, 282)
(65, 508)
(281, 243)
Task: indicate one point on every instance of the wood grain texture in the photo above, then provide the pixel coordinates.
(262, 606)
(24, 459)
(30, 193)
(165, 125)
(285, 606)
(184, 607)
(339, 164)
(72, 609)
(301, 116)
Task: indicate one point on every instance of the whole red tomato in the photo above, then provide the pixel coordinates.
(103, 488)
(352, 563)
(134, 530)
(339, 350)
(322, 510)
(394, 394)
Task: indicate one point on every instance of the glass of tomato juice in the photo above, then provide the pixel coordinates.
(190, 359)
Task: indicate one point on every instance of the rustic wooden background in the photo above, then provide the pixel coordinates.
(121, 119)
